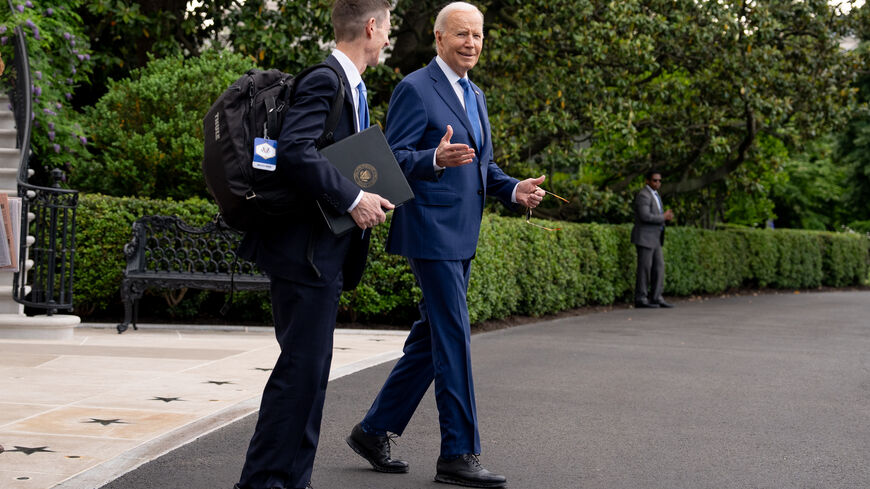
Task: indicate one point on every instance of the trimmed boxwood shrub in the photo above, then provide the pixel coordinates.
(519, 269)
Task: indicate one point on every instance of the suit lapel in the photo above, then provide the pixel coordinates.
(446, 92)
(348, 95)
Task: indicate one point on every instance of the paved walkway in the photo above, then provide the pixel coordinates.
(743, 392)
(89, 410)
(769, 391)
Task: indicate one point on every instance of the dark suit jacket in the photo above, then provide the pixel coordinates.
(649, 221)
(282, 250)
(442, 222)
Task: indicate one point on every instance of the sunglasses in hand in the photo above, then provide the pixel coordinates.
(529, 213)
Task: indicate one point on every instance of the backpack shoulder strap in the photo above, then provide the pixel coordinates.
(328, 136)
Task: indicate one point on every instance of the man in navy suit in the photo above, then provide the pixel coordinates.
(438, 128)
(307, 265)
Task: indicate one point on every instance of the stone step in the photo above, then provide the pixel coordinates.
(10, 158)
(7, 119)
(7, 304)
(8, 138)
(58, 327)
(9, 178)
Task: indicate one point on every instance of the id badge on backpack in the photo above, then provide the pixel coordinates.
(265, 154)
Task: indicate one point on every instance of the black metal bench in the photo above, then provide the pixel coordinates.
(166, 253)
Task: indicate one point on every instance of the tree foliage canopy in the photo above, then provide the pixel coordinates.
(590, 92)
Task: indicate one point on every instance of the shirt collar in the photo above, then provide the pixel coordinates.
(350, 71)
(451, 75)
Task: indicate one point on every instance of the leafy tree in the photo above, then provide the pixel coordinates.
(125, 34)
(592, 93)
(147, 130)
(688, 87)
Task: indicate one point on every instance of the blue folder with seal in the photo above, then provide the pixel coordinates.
(367, 160)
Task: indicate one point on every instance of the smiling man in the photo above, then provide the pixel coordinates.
(438, 128)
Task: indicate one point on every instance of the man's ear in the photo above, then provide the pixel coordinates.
(370, 27)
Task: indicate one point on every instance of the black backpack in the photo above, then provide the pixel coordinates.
(254, 106)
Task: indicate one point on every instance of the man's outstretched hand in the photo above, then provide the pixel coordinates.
(448, 154)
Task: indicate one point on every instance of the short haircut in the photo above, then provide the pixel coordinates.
(441, 19)
(349, 17)
(649, 173)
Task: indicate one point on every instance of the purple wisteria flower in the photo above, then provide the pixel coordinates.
(37, 90)
(51, 135)
(21, 8)
(87, 57)
(81, 57)
(56, 147)
(58, 105)
(51, 125)
(83, 139)
(38, 74)
(36, 34)
(67, 36)
(30, 23)
(35, 123)
(69, 81)
(28, 4)
(49, 11)
(3, 40)
(49, 111)
(68, 96)
(2, 29)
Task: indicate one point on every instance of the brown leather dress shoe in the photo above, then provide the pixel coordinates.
(376, 450)
(466, 471)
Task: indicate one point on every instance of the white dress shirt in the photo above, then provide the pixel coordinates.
(354, 79)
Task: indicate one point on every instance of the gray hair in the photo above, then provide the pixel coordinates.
(441, 19)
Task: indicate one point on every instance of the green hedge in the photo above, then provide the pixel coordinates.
(519, 269)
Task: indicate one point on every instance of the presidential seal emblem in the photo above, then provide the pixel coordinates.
(365, 175)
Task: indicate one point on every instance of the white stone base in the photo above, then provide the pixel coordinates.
(21, 327)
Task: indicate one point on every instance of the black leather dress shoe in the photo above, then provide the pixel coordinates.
(375, 449)
(466, 471)
(663, 303)
(645, 305)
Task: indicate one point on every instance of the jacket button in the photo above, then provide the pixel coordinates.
(480, 192)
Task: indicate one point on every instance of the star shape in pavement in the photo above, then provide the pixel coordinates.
(105, 422)
(167, 399)
(30, 450)
(218, 382)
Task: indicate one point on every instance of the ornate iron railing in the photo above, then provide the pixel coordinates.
(47, 213)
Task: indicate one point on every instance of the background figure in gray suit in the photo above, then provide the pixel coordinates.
(648, 235)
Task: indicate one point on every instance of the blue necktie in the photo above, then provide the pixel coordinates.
(471, 110)
(363, 106)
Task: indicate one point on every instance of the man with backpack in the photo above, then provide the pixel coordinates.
(309, 266)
